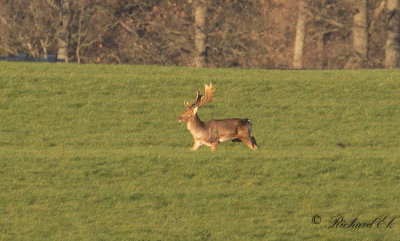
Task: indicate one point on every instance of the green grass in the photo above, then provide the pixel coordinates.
(94, 152)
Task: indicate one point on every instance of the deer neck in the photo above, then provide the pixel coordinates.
(195, 125)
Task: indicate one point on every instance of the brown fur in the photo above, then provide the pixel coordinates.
(213, 132)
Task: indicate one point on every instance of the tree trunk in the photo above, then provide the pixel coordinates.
(393, 34)
(300, 36)
(200, 36)
(63, 33)
(360, 36)
(320, 58)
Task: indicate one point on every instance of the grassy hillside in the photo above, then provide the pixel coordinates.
(93, 152)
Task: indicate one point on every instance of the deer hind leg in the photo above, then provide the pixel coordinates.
(249, 142)
(253, 142)
(246, 138)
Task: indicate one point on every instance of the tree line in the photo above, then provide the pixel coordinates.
(318, 34)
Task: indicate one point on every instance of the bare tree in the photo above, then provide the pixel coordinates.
(360, 35)
(393, 34)
(8, 28)
(296, 33)
(26, 27)
(91, 26)
(300, 36)
(63, 31)
(360, 31)
(200, 36)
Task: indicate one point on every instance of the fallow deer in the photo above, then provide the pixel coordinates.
(213, 132)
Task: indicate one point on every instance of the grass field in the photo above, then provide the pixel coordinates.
(94, 152)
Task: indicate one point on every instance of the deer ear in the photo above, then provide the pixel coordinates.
(195, 110)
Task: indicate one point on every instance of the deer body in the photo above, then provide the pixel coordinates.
(213, 132)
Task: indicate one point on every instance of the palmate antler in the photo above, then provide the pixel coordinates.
(208, 94)
(202, 100)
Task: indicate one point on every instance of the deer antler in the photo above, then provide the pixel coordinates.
(201, 100)
(209, 92)
(196, 101)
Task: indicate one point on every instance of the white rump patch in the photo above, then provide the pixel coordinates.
(250, 125)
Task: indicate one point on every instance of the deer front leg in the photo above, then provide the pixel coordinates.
(196, 145)
(214, 146)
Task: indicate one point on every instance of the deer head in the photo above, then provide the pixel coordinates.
(191, 109)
